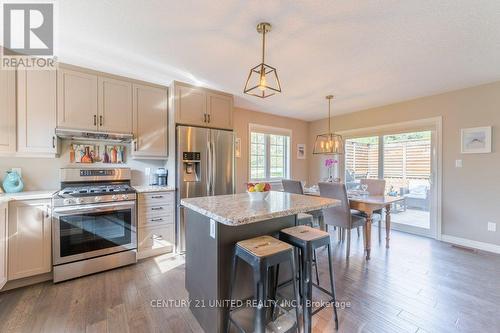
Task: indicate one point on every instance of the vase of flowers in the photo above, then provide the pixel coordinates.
(330, 164)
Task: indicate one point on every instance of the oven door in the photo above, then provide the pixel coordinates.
(87, 231)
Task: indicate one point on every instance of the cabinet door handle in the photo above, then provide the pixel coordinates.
(157, 208)
(156, 196)
(95, 120)
(53, 142)
(208, 117)
(100, 120)
(135, 145)
(157, 219)
(47, 212)
(204, 117)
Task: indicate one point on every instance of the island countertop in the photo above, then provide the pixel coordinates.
(237, 209)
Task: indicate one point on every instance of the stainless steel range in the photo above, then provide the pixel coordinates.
(94, 222)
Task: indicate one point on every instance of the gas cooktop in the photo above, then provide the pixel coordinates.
(94, 186)
(76, 191)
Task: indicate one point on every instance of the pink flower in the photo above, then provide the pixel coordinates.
(330, 162)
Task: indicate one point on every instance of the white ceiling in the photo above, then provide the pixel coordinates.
(368, 53)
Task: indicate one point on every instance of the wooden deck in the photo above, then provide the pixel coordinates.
(417, 285)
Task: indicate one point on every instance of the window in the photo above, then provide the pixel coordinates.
(361, 159)
(269, 153)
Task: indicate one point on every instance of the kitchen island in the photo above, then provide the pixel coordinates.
(213, 226)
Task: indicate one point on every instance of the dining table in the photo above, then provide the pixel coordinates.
(368, 205)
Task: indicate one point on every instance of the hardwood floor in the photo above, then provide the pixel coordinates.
(419, 285)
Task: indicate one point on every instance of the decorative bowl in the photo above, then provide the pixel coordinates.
(258, 196)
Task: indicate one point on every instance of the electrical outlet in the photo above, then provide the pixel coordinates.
(18, 170)
(212, 228)
(492, 226)
(458, 163)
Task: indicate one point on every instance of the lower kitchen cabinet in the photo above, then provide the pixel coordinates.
(29, 241)
(156, 216)
(3, 244)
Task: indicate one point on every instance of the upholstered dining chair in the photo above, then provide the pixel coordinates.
(295, 186)
(375, 187)
(340, 216)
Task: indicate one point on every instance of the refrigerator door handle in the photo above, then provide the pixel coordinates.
(213, 167)
(209, 167)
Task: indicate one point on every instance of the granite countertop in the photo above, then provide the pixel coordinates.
(27, 195)
(237, 209)
(153, 188)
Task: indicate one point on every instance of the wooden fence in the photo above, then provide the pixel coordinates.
(405, 160)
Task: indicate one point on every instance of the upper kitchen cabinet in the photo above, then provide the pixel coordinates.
(76, 99)
(190, 105)
(220, 110)
(115, 105)
(202, 107)
(36, 111)
(7, 111)
(150, 110)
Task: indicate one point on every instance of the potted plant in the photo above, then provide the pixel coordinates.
(330, 164)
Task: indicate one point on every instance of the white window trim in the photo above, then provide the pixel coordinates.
(275, 131)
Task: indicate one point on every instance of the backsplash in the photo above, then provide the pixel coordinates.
(43, 173)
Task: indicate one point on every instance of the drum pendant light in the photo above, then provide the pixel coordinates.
(329, 143)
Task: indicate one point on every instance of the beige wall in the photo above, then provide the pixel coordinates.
(470, 195)
(243, 117)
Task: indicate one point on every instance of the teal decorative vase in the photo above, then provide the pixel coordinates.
(12, 182)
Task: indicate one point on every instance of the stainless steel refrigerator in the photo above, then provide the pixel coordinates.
(204, 167)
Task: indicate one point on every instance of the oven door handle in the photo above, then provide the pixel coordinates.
(60, 211)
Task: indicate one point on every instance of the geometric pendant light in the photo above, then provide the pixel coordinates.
(329, 143)
(263, 79)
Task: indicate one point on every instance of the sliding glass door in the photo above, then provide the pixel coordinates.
(406, 162)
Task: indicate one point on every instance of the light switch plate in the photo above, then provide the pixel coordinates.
(458, 163)
(212, 228)
(492, 226)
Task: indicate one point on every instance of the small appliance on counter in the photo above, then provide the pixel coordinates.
(162, 175)
(12, 183)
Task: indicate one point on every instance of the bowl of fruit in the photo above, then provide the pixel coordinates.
(258, 191)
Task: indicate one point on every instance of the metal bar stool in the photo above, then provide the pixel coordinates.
(307, 240)
(262, 253)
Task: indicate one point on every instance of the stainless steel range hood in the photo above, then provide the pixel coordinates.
(93, 136)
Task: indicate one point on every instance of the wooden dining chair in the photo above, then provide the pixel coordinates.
(340, 216)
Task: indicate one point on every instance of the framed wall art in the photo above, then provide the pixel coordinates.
(301, 151)
(476, 140)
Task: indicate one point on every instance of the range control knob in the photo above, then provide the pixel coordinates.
(124, 196)
(97, 199)
(114, 197)
(67, 201)
(78, 201)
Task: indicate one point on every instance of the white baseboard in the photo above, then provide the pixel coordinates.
(471, 243)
